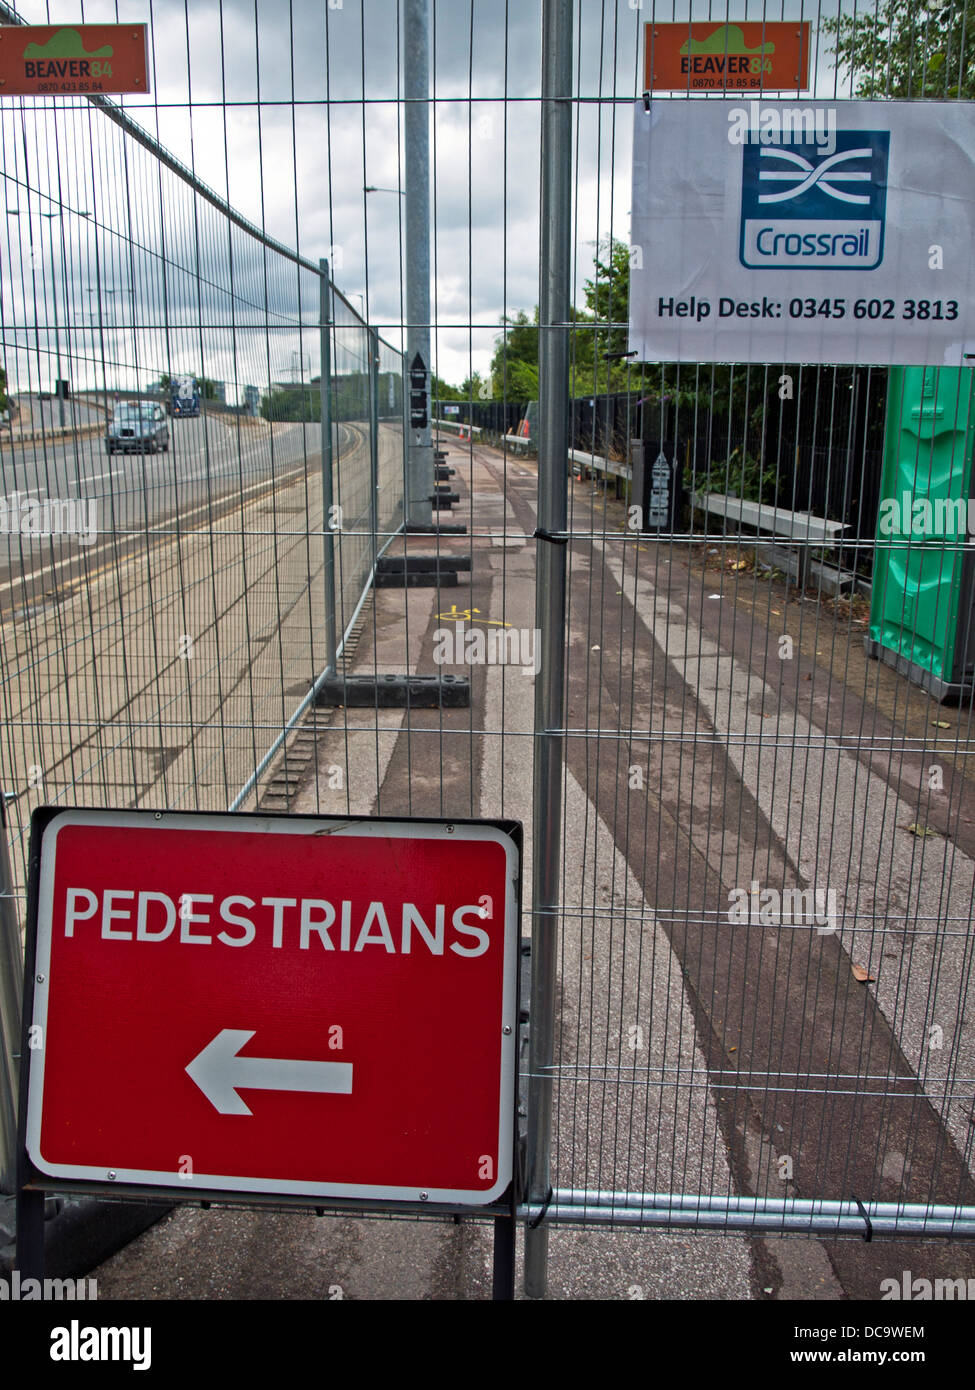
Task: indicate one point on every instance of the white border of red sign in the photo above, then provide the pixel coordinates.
(277, 825)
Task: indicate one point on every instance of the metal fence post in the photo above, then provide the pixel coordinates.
(550, 601)
(325, 330)
(11, 994)
(373, 338)
(416, 88)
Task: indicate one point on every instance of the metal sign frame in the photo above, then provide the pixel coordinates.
(34, 1180)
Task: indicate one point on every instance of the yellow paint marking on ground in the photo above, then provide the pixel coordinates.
(462, 615)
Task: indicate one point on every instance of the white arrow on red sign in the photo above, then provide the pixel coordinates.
(220, 1073)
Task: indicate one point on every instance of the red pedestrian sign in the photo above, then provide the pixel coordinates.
(273, 1005)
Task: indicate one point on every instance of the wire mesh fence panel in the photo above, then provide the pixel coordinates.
(766, 944)
(163, 587)
(390, 405)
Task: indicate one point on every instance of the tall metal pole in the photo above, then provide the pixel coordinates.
(372, 337)
(329, 517)
(57, 333)
(550, 600)
(11, 991)
(416, 86)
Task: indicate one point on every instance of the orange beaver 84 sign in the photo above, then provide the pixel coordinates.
(45, 60)
(712, 57)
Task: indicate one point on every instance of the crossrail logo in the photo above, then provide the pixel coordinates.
(808, 207)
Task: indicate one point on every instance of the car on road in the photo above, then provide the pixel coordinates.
(138, 427)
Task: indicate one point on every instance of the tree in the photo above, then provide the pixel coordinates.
(476, 388)
(441, 390)
(298, 403)
(905, 49)
(4, 402)
(514, 366)
(473, 388)
(608, 302)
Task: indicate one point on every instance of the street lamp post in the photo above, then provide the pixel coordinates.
(419, 466)
(50, 216)
(416, 86)
(376, 188)
(99, 290)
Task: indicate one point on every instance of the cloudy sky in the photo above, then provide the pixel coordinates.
(290, 109)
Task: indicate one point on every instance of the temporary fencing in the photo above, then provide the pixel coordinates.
(752, 874)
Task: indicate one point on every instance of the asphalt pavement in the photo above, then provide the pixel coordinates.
(213, 462)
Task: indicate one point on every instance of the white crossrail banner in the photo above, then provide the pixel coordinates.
(770, 231)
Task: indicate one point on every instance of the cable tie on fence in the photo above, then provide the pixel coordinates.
(541, 1215)
(866, 1218)
(541, 534)
(646, 101)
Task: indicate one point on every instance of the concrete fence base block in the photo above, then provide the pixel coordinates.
(417, 579)
(396, 564)
(422, 528)
(396, 692)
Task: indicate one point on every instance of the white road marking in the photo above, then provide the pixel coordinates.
(164, 529)
(93, 477)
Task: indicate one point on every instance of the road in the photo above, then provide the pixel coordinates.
(209, 457)
(212, 460)
(157, 664)
(36, 412)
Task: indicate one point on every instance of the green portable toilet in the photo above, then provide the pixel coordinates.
(922, 610)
